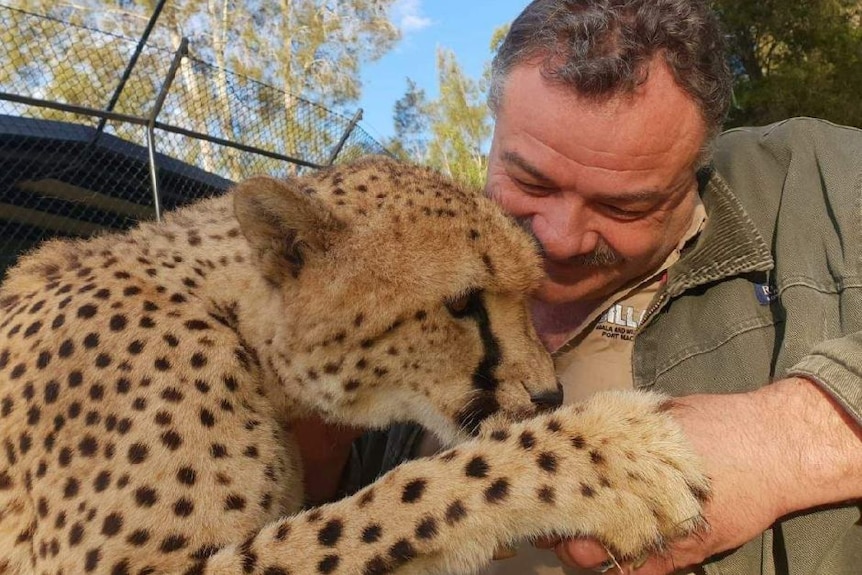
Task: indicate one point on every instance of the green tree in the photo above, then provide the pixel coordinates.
(412, 120)
(795, 58)
(460, 124)
(451, 132)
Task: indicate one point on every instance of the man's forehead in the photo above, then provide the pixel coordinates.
(658, 105)
(545, 131)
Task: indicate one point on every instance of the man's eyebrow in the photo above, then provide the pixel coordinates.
(519, 161)
(636, 196)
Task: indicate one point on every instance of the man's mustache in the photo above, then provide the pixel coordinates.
(602, 256)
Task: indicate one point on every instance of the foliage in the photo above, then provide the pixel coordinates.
(451, 132)
(412, 118)
(795, 58)
(460, 123)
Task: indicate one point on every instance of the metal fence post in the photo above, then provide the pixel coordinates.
(181, 52)
(337, 150)
(130, 66)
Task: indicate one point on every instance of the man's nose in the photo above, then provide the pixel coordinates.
(564, 233)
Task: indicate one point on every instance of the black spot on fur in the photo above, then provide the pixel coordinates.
(427, 528)
(91, 560)
(33, 329)
(330, 533)
(376, 566)
(121, 568)
(173, 543)
(477, 467)
(282, 532)
(366, 498)
(548, 462)
(497, 492)
(413, 491)
(197, 325)
(138, 453)
(171, 439)
(455, 512)
(553, 426)
(500, 435)
(372, 533)
(249, 558)
(183, 507)
(352, 385)
(145, 497)
(547, 495)
(402, 551)
(328, 564)
(234, 502)
(112, 524)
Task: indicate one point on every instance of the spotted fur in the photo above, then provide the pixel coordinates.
(149, 382)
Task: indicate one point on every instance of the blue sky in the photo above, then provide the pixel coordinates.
(464, 26)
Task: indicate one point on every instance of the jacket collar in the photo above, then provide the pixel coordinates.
(729, 244)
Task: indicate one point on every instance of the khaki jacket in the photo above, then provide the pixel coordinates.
(772, 288)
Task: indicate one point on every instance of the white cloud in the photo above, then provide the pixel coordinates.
(407, 14)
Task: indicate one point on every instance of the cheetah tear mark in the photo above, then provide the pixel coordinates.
(485, 383)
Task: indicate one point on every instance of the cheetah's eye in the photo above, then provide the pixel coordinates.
(463, 304)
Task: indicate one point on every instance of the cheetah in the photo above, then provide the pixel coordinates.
(149, 382)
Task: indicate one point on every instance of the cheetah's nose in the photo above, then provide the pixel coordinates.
(548, 400)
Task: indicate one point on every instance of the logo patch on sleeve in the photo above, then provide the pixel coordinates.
(766, 294)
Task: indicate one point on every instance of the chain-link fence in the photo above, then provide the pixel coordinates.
(99, 131)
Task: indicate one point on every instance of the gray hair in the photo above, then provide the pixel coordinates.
(602, 48)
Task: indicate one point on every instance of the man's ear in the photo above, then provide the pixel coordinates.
(283, 225)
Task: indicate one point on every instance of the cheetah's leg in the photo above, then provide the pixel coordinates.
(616, 468)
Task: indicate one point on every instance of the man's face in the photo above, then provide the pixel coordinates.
(608, 189)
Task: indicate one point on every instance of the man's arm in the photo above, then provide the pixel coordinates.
(784, 448)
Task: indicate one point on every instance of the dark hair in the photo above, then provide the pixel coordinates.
(602, 48)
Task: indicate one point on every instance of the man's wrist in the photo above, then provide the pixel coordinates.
(811, 445)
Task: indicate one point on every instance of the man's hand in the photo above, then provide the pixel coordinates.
(784, 448)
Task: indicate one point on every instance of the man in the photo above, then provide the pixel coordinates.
(725, 272)
(736, 287)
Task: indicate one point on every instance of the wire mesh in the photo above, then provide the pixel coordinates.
(72, 165)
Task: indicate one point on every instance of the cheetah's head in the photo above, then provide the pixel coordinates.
(399, 297)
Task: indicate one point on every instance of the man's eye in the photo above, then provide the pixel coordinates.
(623, 214)
(534, 189)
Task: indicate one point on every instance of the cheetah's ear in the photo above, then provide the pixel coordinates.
(283, 225)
